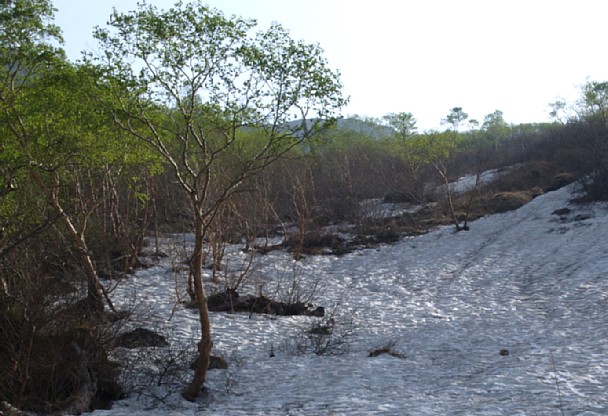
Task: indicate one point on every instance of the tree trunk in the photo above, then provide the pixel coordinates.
(204, 346)
(95, 291)
(443, 172)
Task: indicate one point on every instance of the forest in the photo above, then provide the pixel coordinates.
(192, 122)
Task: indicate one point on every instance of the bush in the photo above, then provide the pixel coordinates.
(53, 350)
(331, 335)
(595, 186)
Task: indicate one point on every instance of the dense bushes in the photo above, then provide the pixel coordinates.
(53, 347)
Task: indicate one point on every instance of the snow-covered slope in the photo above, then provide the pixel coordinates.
(529, 281)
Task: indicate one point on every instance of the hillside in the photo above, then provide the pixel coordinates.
(506, 319)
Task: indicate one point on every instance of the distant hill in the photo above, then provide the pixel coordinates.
(366, 127)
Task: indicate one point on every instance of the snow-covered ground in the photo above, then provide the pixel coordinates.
(528, 281)
(467, 183)
(377, 208)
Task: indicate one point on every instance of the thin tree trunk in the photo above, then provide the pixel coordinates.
(450, 199)
(95, 291)
(443, 172)
(204, 346)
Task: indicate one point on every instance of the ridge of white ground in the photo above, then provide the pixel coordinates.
(527, 281)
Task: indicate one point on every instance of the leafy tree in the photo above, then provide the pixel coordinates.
(39, 107)
(593, 108)
(28, 31)
(455, 118)
(55, 137)
(494, 121)
(197, 85)
(558, 111)
(350, 165)
(54, 145)
(406, 144)
(445, 151)
(594, 100)
(404, 124)
(26, 38)
(495, 128)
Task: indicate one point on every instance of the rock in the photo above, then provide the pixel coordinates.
(561, 212)
(504, 352)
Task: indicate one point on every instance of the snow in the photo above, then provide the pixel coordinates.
(528, 281)
(467, 182)
(377, 208)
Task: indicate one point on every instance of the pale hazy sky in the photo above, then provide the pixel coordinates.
(423, 56)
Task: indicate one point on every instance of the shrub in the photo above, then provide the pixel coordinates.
(331, 335)
(53, 350)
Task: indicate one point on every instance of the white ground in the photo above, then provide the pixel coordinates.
(526, 281)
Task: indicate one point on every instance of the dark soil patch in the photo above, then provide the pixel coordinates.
(500, 202)
(387, 349)
(67, 372)
(215, 363)
(332, 244)
(231, 301)
(139, 338)
(560, 180)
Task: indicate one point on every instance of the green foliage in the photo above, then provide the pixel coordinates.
(455, 118)
(54, 124)
(54, 135)
(594, 100)
(558, 111)
(494, 131)
(289, 79)
(210, 98)
(495, 123)
(26, 27)
(404, 124)
(192, 55)
(432, 146)
(27, 57)
(26, 37)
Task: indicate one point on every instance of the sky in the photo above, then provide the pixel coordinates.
(423, 57)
